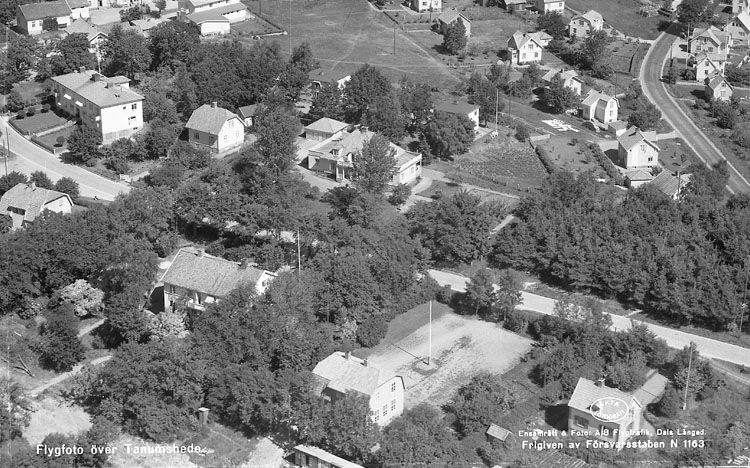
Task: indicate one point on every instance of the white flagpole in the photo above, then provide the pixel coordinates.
(429, 346)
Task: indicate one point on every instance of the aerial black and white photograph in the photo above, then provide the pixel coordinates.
(374, 233)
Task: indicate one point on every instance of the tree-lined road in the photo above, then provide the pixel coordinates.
(708, 348)
(653, 88)
(29, 158)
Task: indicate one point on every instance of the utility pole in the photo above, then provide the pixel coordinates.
(497, 103)
(743, 306)
(299, 260)
(429, 339)
(5, 156)
(394, 38)
(290, 28)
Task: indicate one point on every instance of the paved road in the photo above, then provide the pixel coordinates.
(30, 158)
(654, 89)
(675, 339)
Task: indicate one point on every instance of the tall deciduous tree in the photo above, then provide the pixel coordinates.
(646, 116)
(10, 180)
(553, 23)
(594, 49)
(328, 102)
(454, 229)
(559, 97)
(454, 38)
(41, 179)
(171, 42)
(72, 54)
(366, 84)
(485, 94)
(449, 134)
(276, 130)
(691, 12)
(507, 293)
(60, 347)
(416, 101)
(479, 402)
(373, 164)
(83, 144)
(480, 290)
(385, 117)
(126, 52)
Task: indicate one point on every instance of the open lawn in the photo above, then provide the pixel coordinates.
(345, 34)
(253, 26)
(622, 15)
(50, 139)
(54, 416)
(38, 122)
(675, 155)
(461, 347)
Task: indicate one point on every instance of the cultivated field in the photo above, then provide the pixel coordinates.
(345, 34)
(503, 160)
(461, 347)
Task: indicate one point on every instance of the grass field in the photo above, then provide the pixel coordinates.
(461, 347)
(345, 34)
(39, 122)
(622, 15)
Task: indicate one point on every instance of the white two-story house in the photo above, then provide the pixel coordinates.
(739, 29)
(525, 48)
(637, 149)
(549, 6)
(423, 6)
(215, 128)
(341, 373)
(105, 104)
(585, 24)
(599, 107)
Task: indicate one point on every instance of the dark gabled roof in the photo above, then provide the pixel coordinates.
(247, 111)
(210, 119)
(211, 275)
(29, 198)
(37, 11)
(327, 125)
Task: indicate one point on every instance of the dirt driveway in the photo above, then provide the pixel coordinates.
(461, 347)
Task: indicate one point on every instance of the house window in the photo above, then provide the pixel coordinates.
(393, 405)
(393, 387)
(124, 107)
(196, 135)
(580, 422)
(643, 147)
(225, 138)
(385, 410)
(377, 417)
(651, 158)
(523, 56)
(536, 54)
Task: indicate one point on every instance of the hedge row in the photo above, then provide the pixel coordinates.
(609, 167)
(545, 159)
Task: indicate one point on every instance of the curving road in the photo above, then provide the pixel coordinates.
(654, 89)
(709, 348)
(30, 158)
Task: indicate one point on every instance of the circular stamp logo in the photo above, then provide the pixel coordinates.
(609, 409)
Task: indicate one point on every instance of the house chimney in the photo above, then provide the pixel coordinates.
(363, 128)
(201, 253)
(96, 77)
(599, 382)
(32, 185)
(348, 355)
(203, 415)
(214, 104)
(244, 263)
(364, 362)
(81, 69)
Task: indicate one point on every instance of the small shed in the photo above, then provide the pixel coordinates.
(495, 432)
(247, 114)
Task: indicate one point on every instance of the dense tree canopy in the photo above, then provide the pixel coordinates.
(653, 265)
(373, 164)
(449, 134)
(454, 229)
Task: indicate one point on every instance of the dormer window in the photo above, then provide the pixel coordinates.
(336, 151)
